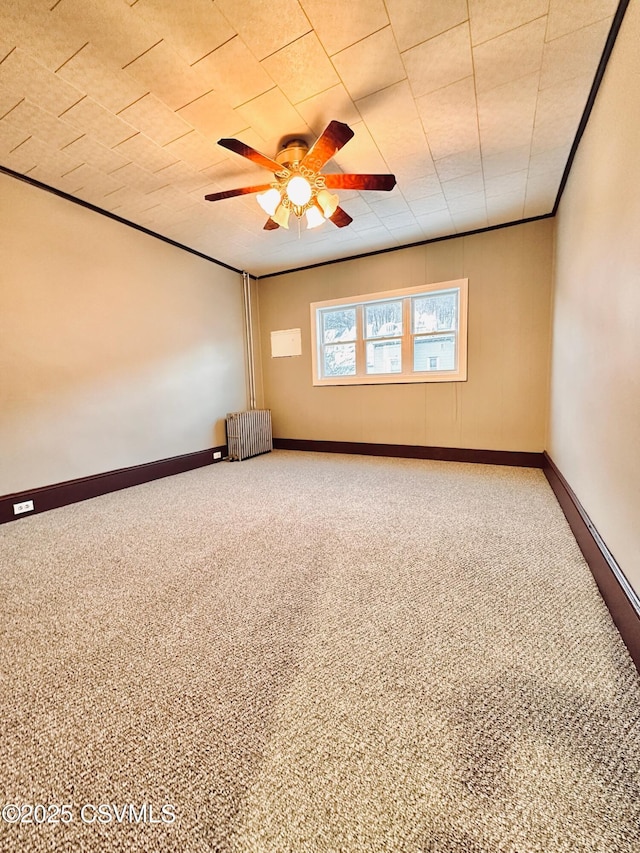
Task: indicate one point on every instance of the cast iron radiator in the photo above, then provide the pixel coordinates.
(249, 433)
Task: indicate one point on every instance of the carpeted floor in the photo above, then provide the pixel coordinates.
(312, 653)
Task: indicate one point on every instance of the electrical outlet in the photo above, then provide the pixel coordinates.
(25, 506)
(217, 454)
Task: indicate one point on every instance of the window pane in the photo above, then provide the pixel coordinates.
(339, 325)
(435, 313)
(437, 352)
(384, 357)
(383, 319)
(340, 360)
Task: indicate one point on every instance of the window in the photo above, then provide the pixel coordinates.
(418, 334)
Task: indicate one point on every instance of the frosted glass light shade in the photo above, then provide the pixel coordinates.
(328, 202)
(281, 216)
(269, 200)
(299, 191)
(314, 217)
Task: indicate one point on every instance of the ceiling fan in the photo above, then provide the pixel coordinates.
(299, 188)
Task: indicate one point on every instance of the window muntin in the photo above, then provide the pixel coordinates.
(417, 334)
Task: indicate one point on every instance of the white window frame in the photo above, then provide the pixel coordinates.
(408, 374)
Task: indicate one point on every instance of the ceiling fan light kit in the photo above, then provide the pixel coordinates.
(299, 187)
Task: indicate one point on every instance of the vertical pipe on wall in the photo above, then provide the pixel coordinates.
(248, 334)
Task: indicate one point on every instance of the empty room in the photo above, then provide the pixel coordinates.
(320, 426)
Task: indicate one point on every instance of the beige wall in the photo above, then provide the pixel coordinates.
(594, 430)
(503, 405)
(115, 348)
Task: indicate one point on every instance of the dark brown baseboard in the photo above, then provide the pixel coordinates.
(72, 491)
(520, 459)
(615, 589)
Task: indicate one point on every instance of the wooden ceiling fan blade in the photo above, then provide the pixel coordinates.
(341, 218)
(250, 153)
(240, 191)
(334, 136)
(360, 182)
(270, 225)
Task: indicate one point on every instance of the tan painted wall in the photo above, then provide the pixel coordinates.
(594, 429)
(115, 348)
(503, 405)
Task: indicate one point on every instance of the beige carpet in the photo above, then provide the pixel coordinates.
(307, 652)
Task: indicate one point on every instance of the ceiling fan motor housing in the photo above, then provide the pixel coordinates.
(292, 153)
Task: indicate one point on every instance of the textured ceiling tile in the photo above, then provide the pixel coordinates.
(399, 220)
(364, 221)
(471, 219)
(426, 186)
(166, 74)
(102, 79)
(573, 55)
(70, 182)
(541, 195)
(183, 177)
(415, 21)
(39, 32)
(301, 69)
(193, 27)
(449, 117)
(436, 224)
(505, 161)
(335, 103)
(36, 154)
(490, 18)
(508, 207)
(509, 56)
(23, 76)
(468, 185)
(440, 61)
(196, 150)
(8, 101)
(96, 183)
(138, 178)
(403, 142)
(89, 117)
(550, 162)
(266, 25)
(172, 197)
(515, 182)
(565, 16)
(35, 121)
(235, 73)
(389, 206)
(110, 25)
(459, 164)
(558, 113)
(143, 152)
(506, 114)
(83, 176)
(212, 116)
(93, 195)
(89, 150)
(339, 24)
(153, 117)
(392, 106)
(10, 138)
(428, 204)
(113, 200)
(272, 116)
(371, 64)
(355, 206)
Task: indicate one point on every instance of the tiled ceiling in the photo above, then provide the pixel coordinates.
(472, 104)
